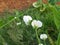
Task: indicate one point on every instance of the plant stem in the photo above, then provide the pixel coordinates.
(37, 36)
(44, 42)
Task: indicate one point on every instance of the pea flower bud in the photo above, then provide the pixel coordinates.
(36, 4)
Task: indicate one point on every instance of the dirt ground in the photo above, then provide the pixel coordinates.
(16, 4)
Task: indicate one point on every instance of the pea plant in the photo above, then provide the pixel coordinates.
(36, 25)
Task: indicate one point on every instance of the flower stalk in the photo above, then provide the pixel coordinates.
(44, 42)
(38, 39)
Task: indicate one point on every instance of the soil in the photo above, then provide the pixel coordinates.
(17, 4)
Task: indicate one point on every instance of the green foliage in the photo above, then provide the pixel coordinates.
(13, 34)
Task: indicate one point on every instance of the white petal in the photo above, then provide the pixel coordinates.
(43, 36)
(36, 23)
(39, 23)
(27, 19)
(33, 23)
(40, 44)
(19, 23)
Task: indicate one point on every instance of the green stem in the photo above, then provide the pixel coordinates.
(44, 42)
(10, 21)
(38, 39)
(7, 23)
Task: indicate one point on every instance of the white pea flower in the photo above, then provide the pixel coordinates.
(36, 4)
(41, 44)
(43, 36)
(18, 23)
(36, 23)
(27, 19)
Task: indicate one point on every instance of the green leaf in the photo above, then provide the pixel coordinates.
(58, 41)
(57, 22)
(2, 41)
(56, 14)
